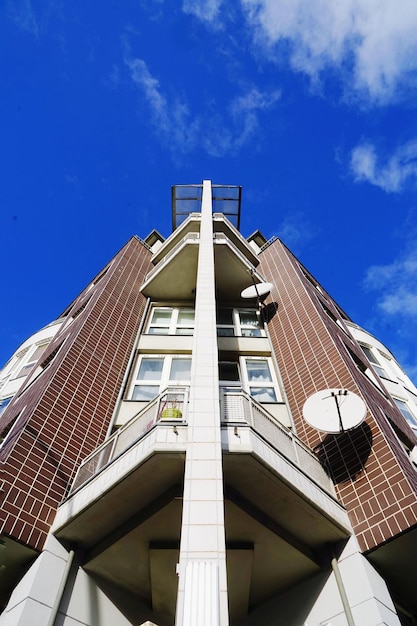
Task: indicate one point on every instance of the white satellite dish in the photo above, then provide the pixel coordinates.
(257, 290)
(334, 410)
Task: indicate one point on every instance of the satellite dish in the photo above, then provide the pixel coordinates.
(257, 290)
(334, 410)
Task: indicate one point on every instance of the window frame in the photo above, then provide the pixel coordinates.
(236, 326)
(246, 383)
(406, 412)
(379, 369)
(161, 382)
(27, 361)
(174, 324)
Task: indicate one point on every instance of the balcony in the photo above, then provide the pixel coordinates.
(239, 409)
(125, 508)
(167, 408)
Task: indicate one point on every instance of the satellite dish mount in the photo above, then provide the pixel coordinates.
(260, 291)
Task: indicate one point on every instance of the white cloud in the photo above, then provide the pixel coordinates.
(206, 10)
(216, 133)
(397, 283)
(390, 174)
(396, 287)
(371, 43)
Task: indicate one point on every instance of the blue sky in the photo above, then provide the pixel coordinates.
(308, 104)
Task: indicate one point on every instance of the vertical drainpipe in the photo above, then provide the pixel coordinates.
(342, 592)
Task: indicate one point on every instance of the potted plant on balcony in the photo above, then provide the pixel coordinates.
(170, 408)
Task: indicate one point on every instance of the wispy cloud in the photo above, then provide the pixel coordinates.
(23, 15)
(395, 285)
(218, 133)
(391, 173)
(206, 10)
(370, 43)
(397, 282)
(296, 231)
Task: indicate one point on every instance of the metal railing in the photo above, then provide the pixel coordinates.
(170, 405)
(239, 407)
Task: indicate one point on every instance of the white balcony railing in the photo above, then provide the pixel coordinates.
(169, 406)
(238, 407)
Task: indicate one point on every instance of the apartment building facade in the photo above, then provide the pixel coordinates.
(158, 465)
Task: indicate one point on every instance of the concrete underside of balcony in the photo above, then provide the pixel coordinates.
(127, 522)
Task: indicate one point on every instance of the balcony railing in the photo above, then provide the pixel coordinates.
(238, 407)
(192, 237)
(169, 406)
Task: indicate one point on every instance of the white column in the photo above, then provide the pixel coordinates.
(202, 588)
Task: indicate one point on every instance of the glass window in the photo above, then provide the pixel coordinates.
(32, 360)
(160, 322)
(263, 394)
(258, 370)
(406, 411)
(171, 321)
(249, 324)
(150, 369)
(252, 374)
(375, 364)
(229, 371)
(155, 373)
(180, 369)
(238, 322)
(185, 322)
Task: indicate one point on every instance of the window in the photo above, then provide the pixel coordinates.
(32, 360)
(252, 374)
(405, 410)
(375, 364)
(238, 323)
(3, 403)
(260, 380)
(171, 321)
(155, 373)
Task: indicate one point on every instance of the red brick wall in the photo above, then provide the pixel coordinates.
(374, 477)
(65, 413)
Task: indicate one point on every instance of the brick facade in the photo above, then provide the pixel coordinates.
(315, 350)
(62, 415)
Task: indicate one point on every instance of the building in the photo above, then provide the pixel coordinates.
(157, 464)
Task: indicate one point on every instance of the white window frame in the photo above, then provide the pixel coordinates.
(245, 381)
(238, 329)
(27, 362)
(159, 382)
(406, 412)
(379, 369)
(174, 324)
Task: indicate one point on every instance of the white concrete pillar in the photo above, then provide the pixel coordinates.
(202, 589)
